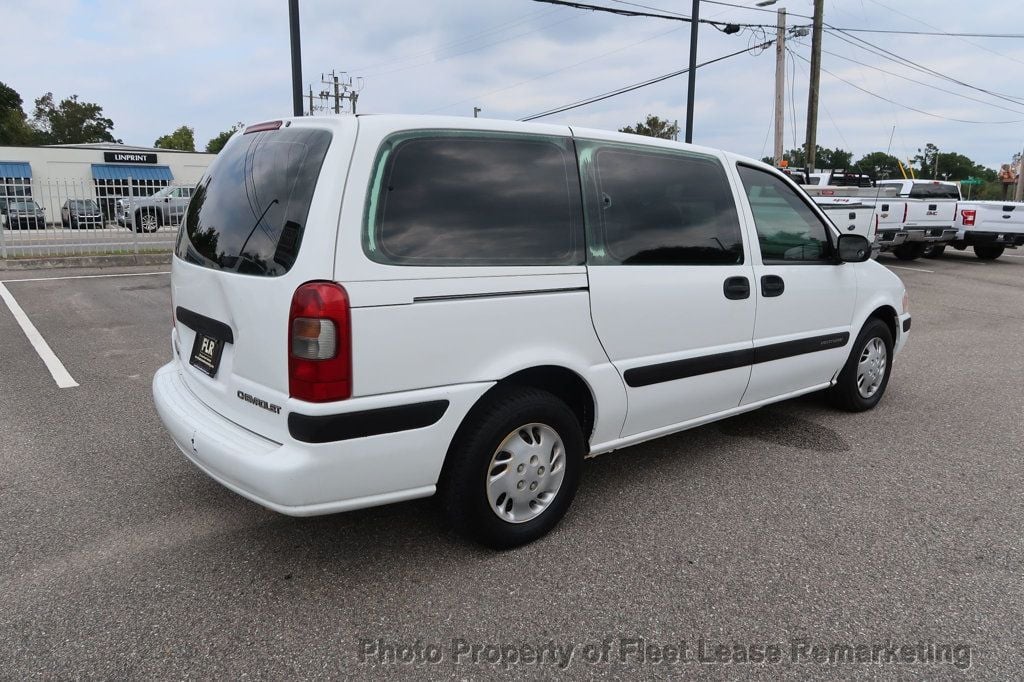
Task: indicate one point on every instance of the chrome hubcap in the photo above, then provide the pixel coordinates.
(525, 473)
(148, 222)
(871, 367)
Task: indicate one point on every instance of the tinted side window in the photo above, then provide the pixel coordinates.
(475, 199)
(787, 229)
(650, 207)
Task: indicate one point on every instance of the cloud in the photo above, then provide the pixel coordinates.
(155, 66)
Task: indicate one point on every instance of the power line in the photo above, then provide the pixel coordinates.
(927, 85)
(634, 86)
(903, 61)
(634, 13)
(559, 70)
(907, 106)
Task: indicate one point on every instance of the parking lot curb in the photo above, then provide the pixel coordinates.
(85, 261)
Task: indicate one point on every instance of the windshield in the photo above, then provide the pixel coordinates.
(24, 205)
(84, 205)
(163, 193)
(249, 210)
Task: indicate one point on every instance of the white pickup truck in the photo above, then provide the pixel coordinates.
(926, 211)
(989, 227)
(860, 210)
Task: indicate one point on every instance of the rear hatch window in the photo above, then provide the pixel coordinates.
(933, 190)
(249, 210)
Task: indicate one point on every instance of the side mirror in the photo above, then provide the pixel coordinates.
(854, 248)
(167, 199)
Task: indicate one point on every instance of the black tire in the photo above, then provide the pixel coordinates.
(75, 225)
(846, 394)
(988, 251)
(462, 490)
(911, 251)
(934, 251)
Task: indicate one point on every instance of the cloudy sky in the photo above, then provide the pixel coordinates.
(208, 63)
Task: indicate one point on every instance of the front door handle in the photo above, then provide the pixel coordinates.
(772, 285)
(736, 288)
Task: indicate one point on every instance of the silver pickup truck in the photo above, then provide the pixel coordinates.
(148, 214)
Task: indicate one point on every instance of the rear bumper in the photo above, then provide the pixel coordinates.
(887, 239)
(971, 237)
(931, 235)
(307, 479)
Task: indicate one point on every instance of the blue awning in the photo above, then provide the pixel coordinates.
(103, 171)
(15, 169)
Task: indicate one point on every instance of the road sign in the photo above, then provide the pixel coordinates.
(972, 181)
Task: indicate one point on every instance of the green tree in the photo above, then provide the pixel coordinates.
(182, 139)
(879, 165)
(654, 127)
(823, 158)
(217, 143)
(70, 122)
(938, 165)
(14, 129)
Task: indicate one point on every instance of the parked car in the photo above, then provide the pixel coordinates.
(470, 307)
(25, 213)
(148, 214)
(78, 212)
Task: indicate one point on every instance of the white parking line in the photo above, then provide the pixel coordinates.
(903, 267)
(57, 370)
(50, 279)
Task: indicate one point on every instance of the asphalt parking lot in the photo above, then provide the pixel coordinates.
(791, 527)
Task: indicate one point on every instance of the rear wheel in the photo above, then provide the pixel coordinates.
(909, 251)
(988, 251)
(513, 467)
(865, 376)
(934, 251)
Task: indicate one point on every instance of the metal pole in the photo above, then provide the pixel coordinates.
(476, 110)
(293, 25)
(692, 74)
(337, 97)
(812, 90)
(780, 84)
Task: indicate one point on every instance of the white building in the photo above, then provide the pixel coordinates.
(101, 171)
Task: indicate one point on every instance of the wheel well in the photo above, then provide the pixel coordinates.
(563, 383)
(887, 314)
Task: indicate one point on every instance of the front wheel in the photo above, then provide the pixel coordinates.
(512, 468)
(988, 251)
(865, 376)
(909, 251)
(934, 251)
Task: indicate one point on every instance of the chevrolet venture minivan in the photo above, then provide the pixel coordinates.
(378, 308)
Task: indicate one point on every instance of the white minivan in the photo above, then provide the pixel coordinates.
(377, 308)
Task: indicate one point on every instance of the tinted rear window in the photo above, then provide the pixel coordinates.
(475, 199)
(928, 190)
(248, 213)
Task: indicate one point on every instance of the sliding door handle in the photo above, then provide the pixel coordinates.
(772, 285)
(736, 288)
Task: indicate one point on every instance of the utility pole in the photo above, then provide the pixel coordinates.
(311, 100)
(340, 89)
(691, 76)
(476, 110)
(293, 26)
(812, 90)
(780, 84)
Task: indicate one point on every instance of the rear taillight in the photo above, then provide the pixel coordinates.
(968, 215)
(320, 343)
